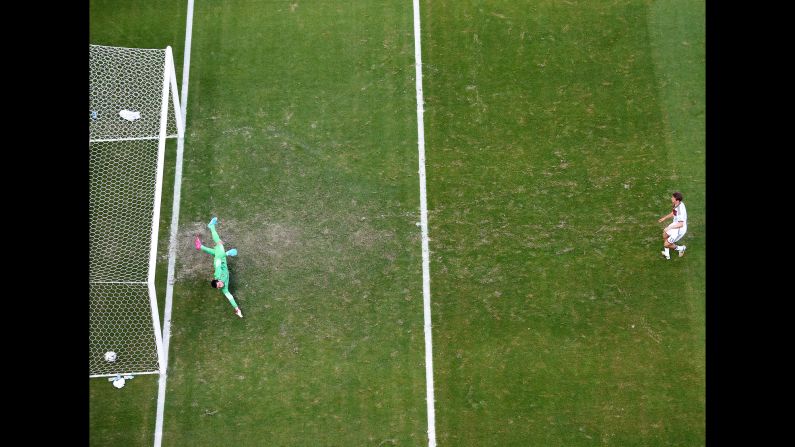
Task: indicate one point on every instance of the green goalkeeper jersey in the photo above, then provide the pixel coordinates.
(221, 269)
(219, 263)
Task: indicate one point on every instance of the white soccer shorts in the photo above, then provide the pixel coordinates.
(675, 234)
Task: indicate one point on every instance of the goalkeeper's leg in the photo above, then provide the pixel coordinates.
(197, 242)
(211, 226)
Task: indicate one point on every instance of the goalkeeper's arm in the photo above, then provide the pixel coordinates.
(229, 297)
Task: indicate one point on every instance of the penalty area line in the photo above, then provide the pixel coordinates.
(426, 275)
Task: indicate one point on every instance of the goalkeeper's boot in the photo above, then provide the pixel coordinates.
(238, 312)
(197, 243)
(232, 252)
(213, 221)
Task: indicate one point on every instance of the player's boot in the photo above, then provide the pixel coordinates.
(665, 255)
(213, 221)
(238, 312)
(682, 251)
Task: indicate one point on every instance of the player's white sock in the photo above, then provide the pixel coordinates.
(679, 247)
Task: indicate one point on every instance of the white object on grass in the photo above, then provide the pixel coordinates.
(119, 380)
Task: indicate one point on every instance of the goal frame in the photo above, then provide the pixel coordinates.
(169, 94)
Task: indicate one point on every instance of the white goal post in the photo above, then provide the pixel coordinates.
(133, 108)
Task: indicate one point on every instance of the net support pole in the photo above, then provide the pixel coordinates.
(161, 150)
(172, 75)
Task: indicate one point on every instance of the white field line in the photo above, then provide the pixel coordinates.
(172, 243)
(426, 275)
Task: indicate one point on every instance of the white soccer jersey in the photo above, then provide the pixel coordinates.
(680, 215)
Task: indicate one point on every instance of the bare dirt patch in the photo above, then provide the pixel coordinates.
(259, 243)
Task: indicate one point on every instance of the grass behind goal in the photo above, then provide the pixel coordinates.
(555, 132)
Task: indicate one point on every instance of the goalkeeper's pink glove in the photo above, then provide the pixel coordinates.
(197, 243)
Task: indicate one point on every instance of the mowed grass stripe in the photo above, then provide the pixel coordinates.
(302, 139)
(555, 322)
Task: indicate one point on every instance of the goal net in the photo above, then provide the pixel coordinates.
(133, 109)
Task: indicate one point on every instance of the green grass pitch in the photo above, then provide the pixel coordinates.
(555, 132)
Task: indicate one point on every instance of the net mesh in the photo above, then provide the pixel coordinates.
(121, 321)
(126, 79)
(123, 157)
(122, 176)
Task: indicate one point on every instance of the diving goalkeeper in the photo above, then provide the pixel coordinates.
(221, 275)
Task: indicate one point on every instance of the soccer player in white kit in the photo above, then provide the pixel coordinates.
(674, 232)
